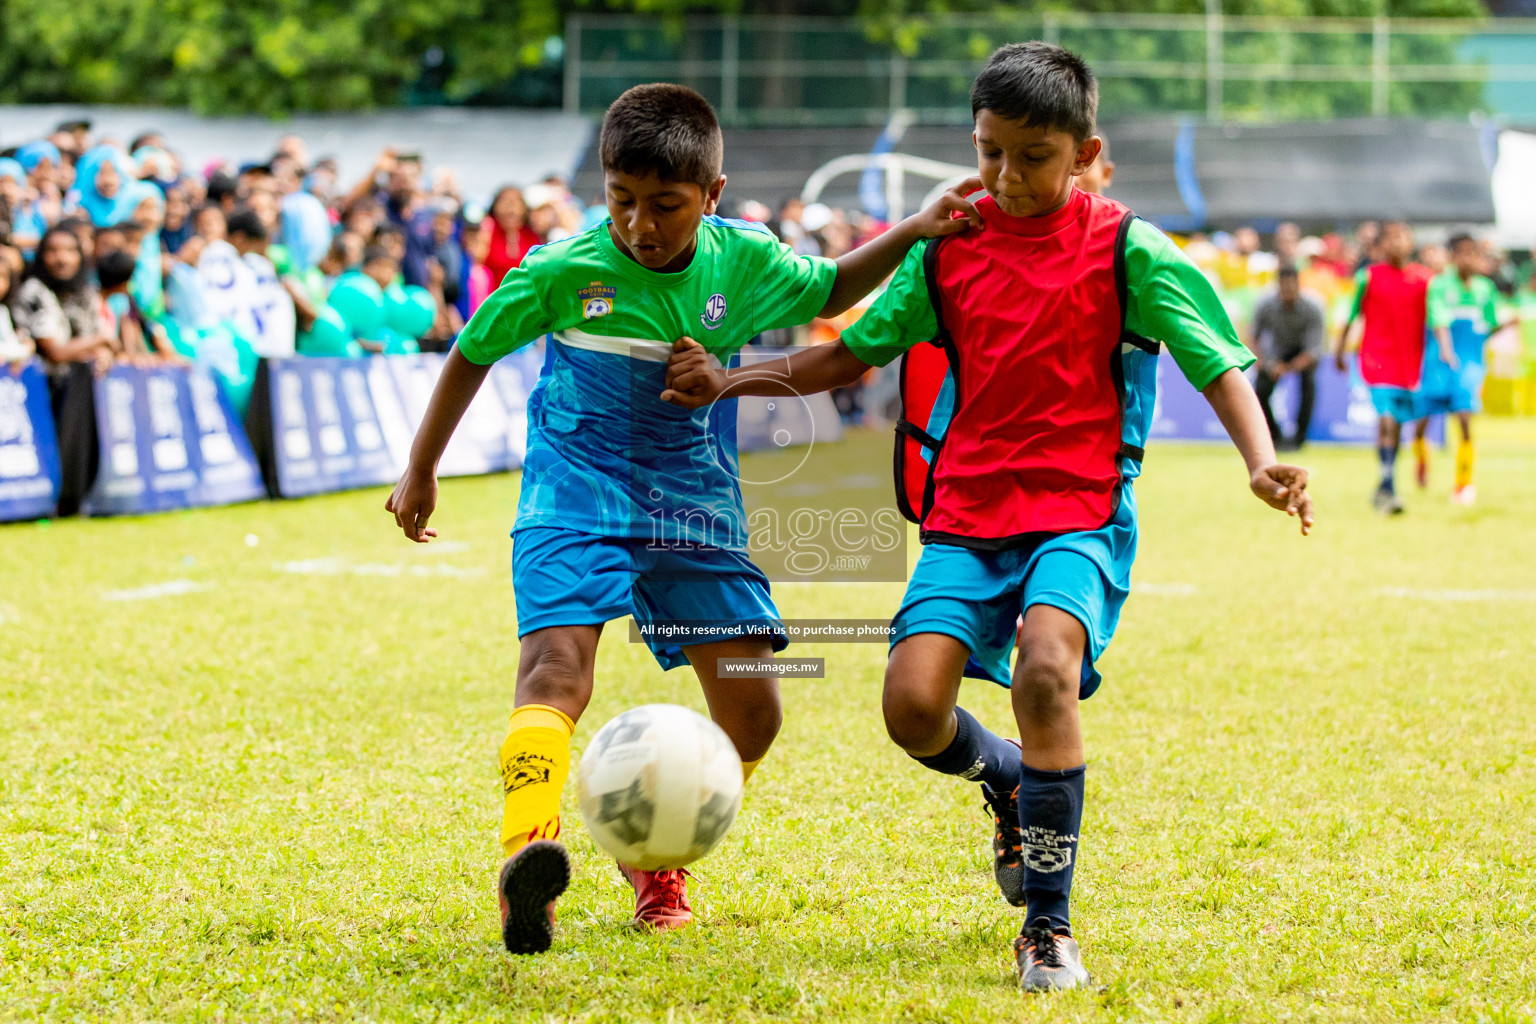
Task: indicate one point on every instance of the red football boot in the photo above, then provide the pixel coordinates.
(661, 898)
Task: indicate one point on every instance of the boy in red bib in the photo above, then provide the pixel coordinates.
(1046, 313)
(1391, 295)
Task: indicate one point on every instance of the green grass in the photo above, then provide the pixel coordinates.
(1311, 795)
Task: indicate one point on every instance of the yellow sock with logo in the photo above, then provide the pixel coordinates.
(1420, 451)
(748, 767)
(535, 759)
(1466, 456)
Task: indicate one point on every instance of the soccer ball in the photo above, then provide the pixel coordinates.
(659, 786)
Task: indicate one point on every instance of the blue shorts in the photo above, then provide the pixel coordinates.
(1397, 403)
(977, 597)
(1447, 390)
(568, 578)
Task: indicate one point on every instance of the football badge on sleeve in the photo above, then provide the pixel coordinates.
(596, 300)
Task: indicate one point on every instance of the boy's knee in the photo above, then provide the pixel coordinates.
(1047, 680)
(914, 721)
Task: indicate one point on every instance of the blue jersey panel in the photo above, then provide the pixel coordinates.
(606, 455)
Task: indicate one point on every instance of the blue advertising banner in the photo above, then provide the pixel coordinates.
(1342, 411)
(29, 446)
(168, 438)
(326, 430)
(325, 424)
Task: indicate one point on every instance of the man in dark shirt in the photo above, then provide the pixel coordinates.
(1288, 338)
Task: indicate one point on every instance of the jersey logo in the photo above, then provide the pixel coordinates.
(597, 299)
(714, 311)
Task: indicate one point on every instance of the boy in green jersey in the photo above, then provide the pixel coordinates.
(630, 505)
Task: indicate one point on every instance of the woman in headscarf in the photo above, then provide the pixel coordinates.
(177, 226)
(102, 178)
(59, 307)
(511, 237)
(145, 206)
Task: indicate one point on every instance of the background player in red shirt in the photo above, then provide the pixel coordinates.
(1391, 297)
(1046, 313)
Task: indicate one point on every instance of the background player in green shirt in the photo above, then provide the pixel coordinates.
(629, 505)
(1462, 310)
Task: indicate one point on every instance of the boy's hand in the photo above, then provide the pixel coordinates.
(1285, 488)
(412, 502)
(938, 220)
(692, 382)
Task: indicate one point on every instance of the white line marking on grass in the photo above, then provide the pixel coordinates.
(339, 567)
(170, 588)
(441, 547)
(1414, 593)
(1166, 589)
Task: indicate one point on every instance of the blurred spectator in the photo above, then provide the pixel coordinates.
(1434, 258)
(15, 346)
(58, 306)
(268, 308)
(177, 225)
(510, 235)
(476, 239)
(1100, 174)
(1288, 338)
(793, 230)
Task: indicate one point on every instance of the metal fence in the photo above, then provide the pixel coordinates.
(786, 71)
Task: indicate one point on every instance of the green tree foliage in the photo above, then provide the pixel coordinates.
(279, 56)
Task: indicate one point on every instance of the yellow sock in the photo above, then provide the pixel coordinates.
(1420, 451)
(1466, 455)
(748, 767)
(535, 758)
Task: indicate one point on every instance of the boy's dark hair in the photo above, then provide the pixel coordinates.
(1040, 84)
(666, 130)
(1457, 239)
(384, 231)
(374, 253)
(221, 185)
(114, 269)
(1288, 270)
(247, 222)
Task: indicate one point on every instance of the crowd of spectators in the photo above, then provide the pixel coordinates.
(115, 251)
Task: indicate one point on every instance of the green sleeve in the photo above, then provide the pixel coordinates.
(1493, 307)
(789, 290)
(900, 318)
(511, 316)
(1437, 311)
(1171, 301)
(1361, 277)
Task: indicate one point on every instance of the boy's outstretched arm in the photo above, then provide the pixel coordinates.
(415, 496)
(859, 272)
(693, 379)
(1279, 486)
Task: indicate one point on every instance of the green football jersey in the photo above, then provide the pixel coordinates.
(605, 454)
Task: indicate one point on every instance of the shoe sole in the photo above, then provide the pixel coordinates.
(1087, 982)
(529, 883)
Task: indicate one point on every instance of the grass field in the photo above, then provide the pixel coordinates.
(252, 782)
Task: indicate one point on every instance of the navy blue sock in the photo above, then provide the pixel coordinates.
(978, 755)
(1050, 814)
(1388, 458)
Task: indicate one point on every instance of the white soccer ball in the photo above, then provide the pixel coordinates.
(659, 786)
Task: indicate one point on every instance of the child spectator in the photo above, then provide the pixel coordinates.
(477, 276)
(270, 310)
